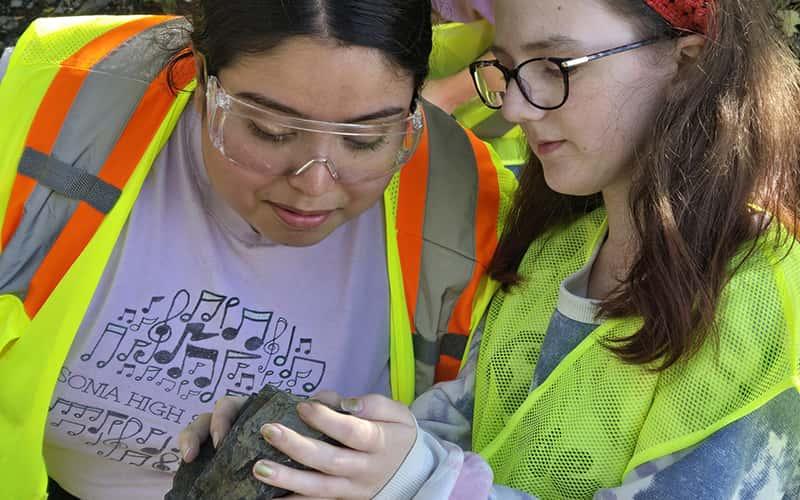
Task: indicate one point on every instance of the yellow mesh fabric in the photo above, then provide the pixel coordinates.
(596, 418)
(391, 196)
(507, 184)
(58, 38)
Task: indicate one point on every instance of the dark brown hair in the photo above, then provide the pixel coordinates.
(724, 142)
(400, 29)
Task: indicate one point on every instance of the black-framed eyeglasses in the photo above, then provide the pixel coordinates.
(544, 81)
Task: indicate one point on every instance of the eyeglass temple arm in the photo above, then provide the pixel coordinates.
(571, 63)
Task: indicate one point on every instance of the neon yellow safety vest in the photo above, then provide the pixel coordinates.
(595, 418)
(86, 110)
(455, 46)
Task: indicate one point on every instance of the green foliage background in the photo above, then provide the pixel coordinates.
(15, 15)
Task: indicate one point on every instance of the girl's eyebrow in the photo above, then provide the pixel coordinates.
(266, 102)
(551, 42)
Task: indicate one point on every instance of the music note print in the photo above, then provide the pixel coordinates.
(239, 366)
(167, 383)
(79, 409)
(129, 367)
(158, 433)
(281, 359)
(150, 373)
(251, 323)
(304, 369)
(144, 321)
(161, 331)
(76, 431)
(153, 300)
(195, 331)
(304, 342)
(131, 312)
(206, 297)
(117, 418)
(230, 356)
(230, 304)
(195, 353)
(133, 454)
(250, 377)
(113, 334)
(197, 366)
(138, 343)
(273, 347)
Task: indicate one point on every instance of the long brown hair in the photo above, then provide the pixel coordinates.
(724, 142)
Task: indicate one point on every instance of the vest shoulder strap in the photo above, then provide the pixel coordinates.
(449, 208)
(72, 171)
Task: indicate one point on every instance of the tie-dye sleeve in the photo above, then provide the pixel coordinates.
(440, 465)
(757, 456)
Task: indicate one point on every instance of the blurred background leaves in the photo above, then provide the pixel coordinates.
(15, 15)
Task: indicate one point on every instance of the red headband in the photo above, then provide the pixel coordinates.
(690, 15)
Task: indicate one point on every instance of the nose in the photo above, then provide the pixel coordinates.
(516, 108)
(315, 177)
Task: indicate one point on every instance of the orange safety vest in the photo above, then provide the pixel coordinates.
(420, 217)
(444, 212)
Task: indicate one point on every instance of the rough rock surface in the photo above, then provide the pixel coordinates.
(226, 473)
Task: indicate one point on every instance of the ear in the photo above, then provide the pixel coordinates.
(688, 49)
(684, 55)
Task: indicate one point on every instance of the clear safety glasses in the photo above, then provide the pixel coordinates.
(274, 143)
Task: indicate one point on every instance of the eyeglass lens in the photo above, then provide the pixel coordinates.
(540, 81)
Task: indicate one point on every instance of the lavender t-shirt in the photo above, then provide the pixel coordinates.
(194, 305)
(463, 10)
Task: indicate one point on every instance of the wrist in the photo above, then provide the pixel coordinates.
(414, 471)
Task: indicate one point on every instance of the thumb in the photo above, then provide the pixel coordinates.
(378, 408)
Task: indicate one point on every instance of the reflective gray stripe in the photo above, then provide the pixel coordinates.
(111, 93)
(101, 110)
(424, 375)
(450, 344)
(454, 345)
(26, 250)
(448, 251)
(5, 58)
(68, 181)
(493, 127)
(426, 351)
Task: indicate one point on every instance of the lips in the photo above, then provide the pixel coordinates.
(544, 148)
(300, 219)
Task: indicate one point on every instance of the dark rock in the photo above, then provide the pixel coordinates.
(226, 473)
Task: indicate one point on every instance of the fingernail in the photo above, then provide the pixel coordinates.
(262, 470)
(185, 454)
(304, 408)
(215, 439)
(270, 432)
(352, 405)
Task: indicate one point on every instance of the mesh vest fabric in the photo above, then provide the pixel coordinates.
(594, 419)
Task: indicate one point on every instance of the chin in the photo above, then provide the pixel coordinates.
(564, 182)
(296, 239)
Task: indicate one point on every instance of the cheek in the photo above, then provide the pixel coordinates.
(362, 196)
(612, 120)
(235, 185)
